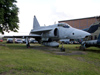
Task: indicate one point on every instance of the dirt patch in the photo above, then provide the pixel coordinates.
(57, 50)
(2, 45)
(72, 53)
(45, 48)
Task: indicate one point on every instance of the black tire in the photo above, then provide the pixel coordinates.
(62, 49)
(82, 48)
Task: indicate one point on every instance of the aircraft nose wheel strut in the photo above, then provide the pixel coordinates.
(62, 49)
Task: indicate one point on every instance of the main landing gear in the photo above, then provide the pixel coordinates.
(62, 49)
(27, 43)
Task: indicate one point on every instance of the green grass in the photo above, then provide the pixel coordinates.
(16, 59)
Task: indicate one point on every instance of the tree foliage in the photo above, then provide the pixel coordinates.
(8, 16)
(98, 17)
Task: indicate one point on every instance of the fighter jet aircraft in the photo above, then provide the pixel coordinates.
(94, 39)
(49, 35)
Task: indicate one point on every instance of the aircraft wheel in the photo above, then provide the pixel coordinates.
(28, 45)
(62, 49)
(82, 48)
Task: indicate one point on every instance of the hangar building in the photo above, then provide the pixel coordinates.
(82, 23)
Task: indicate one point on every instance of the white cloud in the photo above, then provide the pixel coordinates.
(78, 8)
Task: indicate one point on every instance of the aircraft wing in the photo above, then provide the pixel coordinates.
(23, 36)
(38, 31)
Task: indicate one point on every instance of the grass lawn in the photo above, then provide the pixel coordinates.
(16, 59)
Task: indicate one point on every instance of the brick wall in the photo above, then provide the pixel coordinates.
(81, 23)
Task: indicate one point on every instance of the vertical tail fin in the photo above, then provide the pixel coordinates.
(35, 23)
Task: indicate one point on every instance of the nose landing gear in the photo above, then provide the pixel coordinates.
(82, 47)
(62, 49)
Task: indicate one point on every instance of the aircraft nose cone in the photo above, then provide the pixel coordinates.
(83, 34)
(79, 34)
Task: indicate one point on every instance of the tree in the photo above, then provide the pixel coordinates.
(8, 16)
(98, 17)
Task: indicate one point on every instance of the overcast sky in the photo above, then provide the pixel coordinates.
(50, 11)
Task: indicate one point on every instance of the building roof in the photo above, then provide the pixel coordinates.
(78, 19)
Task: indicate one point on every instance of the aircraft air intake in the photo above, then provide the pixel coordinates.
(53, 33)
(56, 32)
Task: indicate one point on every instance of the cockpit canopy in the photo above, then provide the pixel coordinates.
(65, 25)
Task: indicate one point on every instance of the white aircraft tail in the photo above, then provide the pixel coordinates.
(35, 23)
